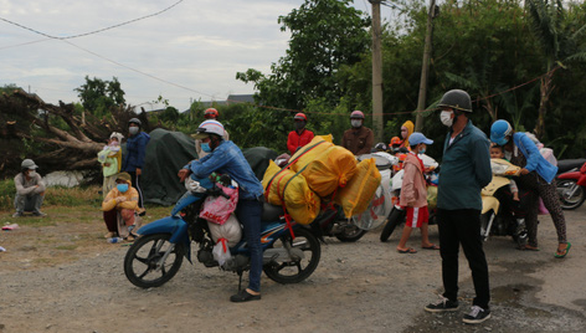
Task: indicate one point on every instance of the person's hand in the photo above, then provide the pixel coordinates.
(182, 174)
(106, 164)
(138, 171)
(120, 199)
(524, 171)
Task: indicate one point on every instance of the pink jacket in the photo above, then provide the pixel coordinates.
(414, 188)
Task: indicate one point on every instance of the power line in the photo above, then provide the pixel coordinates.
(90, 32)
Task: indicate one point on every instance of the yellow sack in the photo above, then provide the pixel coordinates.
(328, 137)
(431, 197)
(330, 171)
(286, 186)
(318, 147)
(356, 196)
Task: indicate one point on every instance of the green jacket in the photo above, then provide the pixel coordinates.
(465, 170)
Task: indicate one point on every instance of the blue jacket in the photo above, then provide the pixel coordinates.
(535, 161)
(135, 152)
(465, 170)
(227, 158)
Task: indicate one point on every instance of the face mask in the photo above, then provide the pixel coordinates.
(356, 123)
(32, 173)
(133, 130)
(205, 146)
(299, 125)
(446, 118)
(122, 187)
(422, 151)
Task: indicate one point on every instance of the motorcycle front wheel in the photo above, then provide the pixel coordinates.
(564, 187)
(396, 217)
(297, 269)
(145, 263)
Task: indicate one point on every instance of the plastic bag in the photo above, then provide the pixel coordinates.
(218, 209)
(221, 252)
(230, 231)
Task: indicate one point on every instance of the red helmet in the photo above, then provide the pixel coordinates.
(300, 116)
(396, 141)
(211, 113)
(357, 115)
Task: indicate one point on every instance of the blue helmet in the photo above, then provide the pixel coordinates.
(499, 131)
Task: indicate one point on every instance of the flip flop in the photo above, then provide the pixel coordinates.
(565, 252)
(409, 250)
(529, 248)
(431, 247)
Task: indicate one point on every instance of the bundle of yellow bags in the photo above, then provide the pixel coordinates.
(318, 170)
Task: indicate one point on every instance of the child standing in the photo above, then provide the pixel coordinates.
(111, 159)
(414, 195)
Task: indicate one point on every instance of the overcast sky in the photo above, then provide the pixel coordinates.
(189, 52)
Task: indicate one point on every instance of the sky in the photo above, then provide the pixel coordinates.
(190, 50)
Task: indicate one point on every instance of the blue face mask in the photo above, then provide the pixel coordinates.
(422, 151)
(205, 146)
(122, 187)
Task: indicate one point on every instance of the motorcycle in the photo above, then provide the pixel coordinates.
(496, 218)
(398, 214)
(351, 230)
(291, 252)
(571, 183)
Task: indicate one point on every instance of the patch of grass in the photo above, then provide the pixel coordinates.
(66, 247)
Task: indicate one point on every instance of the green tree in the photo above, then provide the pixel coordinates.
(325, 35)
(98, 96)
(561, 41)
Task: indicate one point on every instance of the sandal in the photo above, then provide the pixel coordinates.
(131, 237)
(110, 235)
(409, 250)
(564, 252)
(529, 248)
(244, 296)
(431, 247)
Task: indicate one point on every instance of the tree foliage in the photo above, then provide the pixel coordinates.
(98, 96)
(325, 35)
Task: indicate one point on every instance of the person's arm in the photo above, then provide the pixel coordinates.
(141, 151)
(19, 184)
(291, 146)
(408, 186)
(40, 185)
(368, 143)
(204, 167)
(131, 203)
(529, 149)
(481, 158)
(109, 202)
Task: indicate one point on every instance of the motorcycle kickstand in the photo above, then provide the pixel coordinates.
(240, 279)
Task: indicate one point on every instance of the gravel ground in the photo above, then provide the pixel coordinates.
(365, 286)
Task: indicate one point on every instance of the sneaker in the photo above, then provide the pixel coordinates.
(477, 315)
(39, 213)
(17, 214)
(442, 305)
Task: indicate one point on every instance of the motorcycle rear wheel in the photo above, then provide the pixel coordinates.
(142, 263)
(295, 271)
(396, 217)
(573, 202)
(350, 233)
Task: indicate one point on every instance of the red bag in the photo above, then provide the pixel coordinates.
(218, 209)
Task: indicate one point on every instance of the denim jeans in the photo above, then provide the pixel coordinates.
(28, 203)
(463, 227)
(249, 214)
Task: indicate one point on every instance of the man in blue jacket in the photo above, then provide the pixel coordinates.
(226, 158)
(465, 170)
(133, 161)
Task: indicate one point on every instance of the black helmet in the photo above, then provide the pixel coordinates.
(456, 99)
(381, 146)
(135, 121)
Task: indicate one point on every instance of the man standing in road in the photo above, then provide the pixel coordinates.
(359, 139)
(464, 172)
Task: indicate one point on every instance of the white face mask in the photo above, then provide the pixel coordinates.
(446, 118)
(133, 130)
(356, 123)
(32, 173)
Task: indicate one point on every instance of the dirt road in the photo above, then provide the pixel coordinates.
(366, 286)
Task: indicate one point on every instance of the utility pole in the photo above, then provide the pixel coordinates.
(377, 75)
(425, 67)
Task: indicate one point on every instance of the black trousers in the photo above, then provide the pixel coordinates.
(463, 227)
(137, 185)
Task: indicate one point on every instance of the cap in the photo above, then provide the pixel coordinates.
(416, 138)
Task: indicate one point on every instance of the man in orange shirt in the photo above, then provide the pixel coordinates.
(300, 136)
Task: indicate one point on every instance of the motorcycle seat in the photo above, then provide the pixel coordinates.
(380, 162)
(567, 165)
(271, 213)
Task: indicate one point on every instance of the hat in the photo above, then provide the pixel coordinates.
(117, 135)
(124, 176)
(417, 138)
(28, 164)
(209, 127)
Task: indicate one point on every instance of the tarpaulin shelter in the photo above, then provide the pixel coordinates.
(167, 152)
